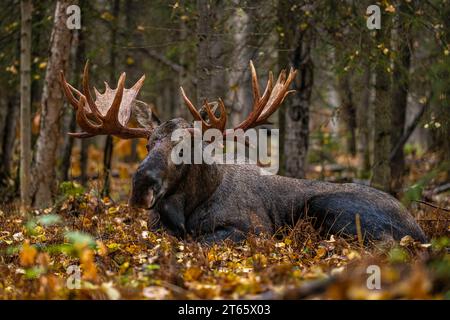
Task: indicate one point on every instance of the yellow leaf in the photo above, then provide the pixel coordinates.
(124, 267)
(101, 248)
(107, 16)
(390, 8)
(192, 274)
(113, 246)
(88, 265)
(320, 253)
(27, 255)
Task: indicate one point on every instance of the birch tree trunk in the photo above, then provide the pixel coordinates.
(25, 102)
(52, 103)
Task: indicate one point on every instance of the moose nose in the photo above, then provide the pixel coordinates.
(146, 186)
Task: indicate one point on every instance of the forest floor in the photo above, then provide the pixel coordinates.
(120, 258)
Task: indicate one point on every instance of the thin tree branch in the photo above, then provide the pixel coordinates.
(404, 138)
(162, 59)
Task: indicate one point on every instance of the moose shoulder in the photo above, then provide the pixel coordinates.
(214, 202)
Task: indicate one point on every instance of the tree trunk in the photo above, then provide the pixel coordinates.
(382, 122)
(108, 151)
(400, 87)
(295, 45)
(25, 102)
(444, 104)
(132, 59)
(297, 113)
(240, 94)
(348, 112)
(52, 102)
(210, 70)
(83, 161)
(9, 134)
(364, 124)
(70, 117)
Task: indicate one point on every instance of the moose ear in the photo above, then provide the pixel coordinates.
(145, 115)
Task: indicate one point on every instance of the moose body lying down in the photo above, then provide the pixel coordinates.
(214, 202)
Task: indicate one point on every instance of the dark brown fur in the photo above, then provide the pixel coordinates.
(217, 202)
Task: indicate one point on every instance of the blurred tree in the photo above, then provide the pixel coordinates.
(295, 45)
(348, 111)
(242, 26)
(443, 84)
(382, 142)
(108, 151)
(400, 88)
(9, 93)
(211, 81)
(25, 103)
(52, 101)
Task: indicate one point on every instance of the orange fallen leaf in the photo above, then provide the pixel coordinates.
(27, 255)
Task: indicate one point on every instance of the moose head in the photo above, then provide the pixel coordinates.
(157, 175)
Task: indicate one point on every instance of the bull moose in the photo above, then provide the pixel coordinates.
(214, 202)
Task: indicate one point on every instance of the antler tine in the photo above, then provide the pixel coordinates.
(81, 135)
(87, 94)
(109, 113)
(82, 118)
(268, 90)
(214, 122)
(222, 120)
(259, 103)
(255, 86)
(67, 91)
(280, 91)
(211, 115)
(138, 85)
(262, 107)
(112, 116)
(190, 106)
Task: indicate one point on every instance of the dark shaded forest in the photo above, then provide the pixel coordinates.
(371, 106)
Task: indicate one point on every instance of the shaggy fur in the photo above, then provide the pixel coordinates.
(218, 202)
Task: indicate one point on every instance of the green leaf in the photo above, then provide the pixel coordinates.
(152, 267)
(398, 255)
(80, 238)
(69, 188)
(34, 272)
(49, 220)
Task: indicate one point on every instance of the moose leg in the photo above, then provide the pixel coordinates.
(172, 216)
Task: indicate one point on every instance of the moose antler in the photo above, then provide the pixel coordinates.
(214, 122)
(109, 113)
(263, 106)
